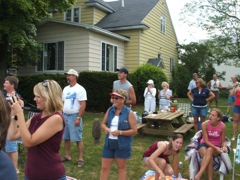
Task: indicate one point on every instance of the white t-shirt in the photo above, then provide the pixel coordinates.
(214, 85)
(114, 127)
(71, 97)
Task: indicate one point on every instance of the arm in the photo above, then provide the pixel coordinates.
(81, 112)
(211, 96)
(145, 92)
(190, 96)
(220, 85)
(154, 91)
(50, 127)
(235, 90)
(168, 94)
(175, 163)
(104, 123)
(132, 97)
(223, 136)
(161, 148)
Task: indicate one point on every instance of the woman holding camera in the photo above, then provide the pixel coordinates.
(236, 110)
(41, 134)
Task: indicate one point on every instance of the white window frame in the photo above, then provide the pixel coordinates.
(163, 22)
(72, 17)
(45, 63)
(112, 64)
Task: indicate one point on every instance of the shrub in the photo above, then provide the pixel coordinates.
(142, 74)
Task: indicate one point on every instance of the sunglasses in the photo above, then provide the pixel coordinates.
(114, 97)
(45, 83)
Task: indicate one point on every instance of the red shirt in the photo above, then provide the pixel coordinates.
(44, 160)
(237, 102)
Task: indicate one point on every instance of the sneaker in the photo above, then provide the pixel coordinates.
(233, 139)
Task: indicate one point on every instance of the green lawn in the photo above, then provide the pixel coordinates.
(135, 167)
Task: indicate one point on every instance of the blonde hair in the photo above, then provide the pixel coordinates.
(201, 82)
(123, 93)
(219, 113)
(5, 119)
(164, 83)
(52, 92)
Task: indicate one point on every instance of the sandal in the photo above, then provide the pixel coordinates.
(80, 163)
(65, 159)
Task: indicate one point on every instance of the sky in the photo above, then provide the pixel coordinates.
(185, 33)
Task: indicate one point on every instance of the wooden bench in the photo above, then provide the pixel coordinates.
(184, 128)
(139, 127)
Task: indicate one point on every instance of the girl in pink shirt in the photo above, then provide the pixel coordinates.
(212, 142)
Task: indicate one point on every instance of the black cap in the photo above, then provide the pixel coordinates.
(123, 69)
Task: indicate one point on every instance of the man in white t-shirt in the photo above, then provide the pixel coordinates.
(74, 97)
(214, 85)
(192, 83)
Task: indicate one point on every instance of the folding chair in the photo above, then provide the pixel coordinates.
(236, 159)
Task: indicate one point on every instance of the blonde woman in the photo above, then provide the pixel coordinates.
(164, 96)
(150, 97)
(119, 124)
(199, 97)
(41, 134)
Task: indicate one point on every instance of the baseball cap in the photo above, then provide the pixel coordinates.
(150, 81)
(72, 72)
(123, 69)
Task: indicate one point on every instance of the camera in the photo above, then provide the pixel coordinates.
(10, 99)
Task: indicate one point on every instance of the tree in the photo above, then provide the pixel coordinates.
(221, 18)
(18, 20)
(194, 58)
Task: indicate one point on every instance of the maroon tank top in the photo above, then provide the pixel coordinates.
(44, 160)
(152, 149)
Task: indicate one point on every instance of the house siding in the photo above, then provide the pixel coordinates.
(154, 42)
(86, 15)
(131, 48)
(98, 15)
(82, 48)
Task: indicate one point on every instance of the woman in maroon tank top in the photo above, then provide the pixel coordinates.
(156, 156)
(41, 134)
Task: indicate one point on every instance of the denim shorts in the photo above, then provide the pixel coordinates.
(199, 111)
(202, 145)
(113, 151)
(11, 146)
(236, 109)
(72, 132)
(231, 99)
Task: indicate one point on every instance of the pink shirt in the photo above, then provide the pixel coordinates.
(214, 134)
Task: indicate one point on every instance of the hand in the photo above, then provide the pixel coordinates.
(15, 106)
(107, 130)
(224, 149)
(77, 122)
(115, 133)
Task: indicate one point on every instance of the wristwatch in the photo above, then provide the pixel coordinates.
(78, 117)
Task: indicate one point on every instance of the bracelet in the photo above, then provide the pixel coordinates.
(78, 117)
(120, 132)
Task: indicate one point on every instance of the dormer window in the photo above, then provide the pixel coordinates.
(73, 14)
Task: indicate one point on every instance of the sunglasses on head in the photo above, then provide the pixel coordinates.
(115, 97)
(45, 83)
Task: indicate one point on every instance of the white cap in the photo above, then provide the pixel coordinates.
(72, 72)
(150, 81)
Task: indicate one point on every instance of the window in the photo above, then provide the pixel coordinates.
(109, 57)
(73, 15)
(163, 24)
(171, 64)
(52, 57)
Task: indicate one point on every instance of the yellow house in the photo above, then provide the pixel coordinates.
(95, 35)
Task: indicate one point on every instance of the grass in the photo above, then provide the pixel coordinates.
(135, 167)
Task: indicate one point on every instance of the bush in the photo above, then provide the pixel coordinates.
(142, 74)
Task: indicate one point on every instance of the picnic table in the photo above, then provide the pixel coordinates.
(165, 123)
